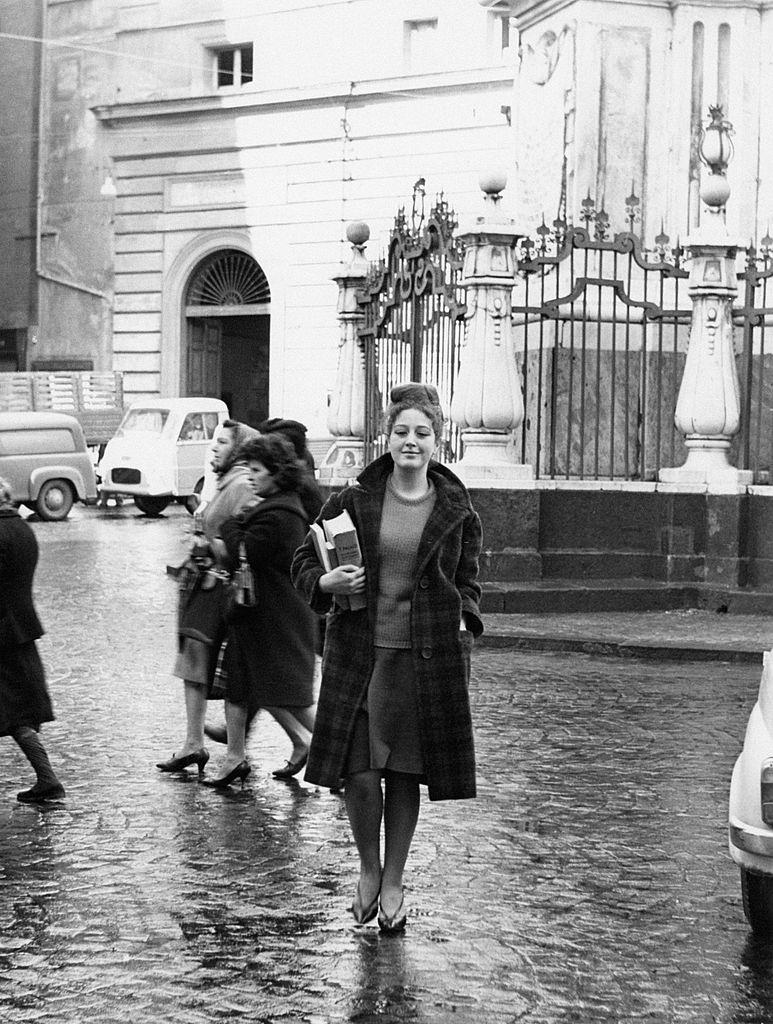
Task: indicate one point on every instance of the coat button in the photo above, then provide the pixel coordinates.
(426, 652)
(424, 582)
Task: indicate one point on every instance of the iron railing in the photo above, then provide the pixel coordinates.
(753, 447)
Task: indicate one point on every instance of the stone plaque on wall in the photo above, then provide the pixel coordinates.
(205, 193)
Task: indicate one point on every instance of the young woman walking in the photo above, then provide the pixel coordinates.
(394, 704)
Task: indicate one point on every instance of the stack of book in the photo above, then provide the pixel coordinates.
(336, 543)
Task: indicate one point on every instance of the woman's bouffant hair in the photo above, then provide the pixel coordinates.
(5, 492)
(414, 395)
(277, 454)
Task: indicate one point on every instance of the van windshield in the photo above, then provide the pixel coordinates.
(146, 421)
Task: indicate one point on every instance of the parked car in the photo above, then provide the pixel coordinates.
(43, 455)
(751, 809)
(159, 452)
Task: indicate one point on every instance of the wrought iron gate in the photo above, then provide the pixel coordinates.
(601, 330)
(413, 306)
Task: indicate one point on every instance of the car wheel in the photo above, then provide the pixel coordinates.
(150, 506)
(757, 892)
(193, 501)
(54, 500)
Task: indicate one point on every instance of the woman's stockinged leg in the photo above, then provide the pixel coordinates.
(195, 713)
(236, 723)
(364, 807)
(401, 812)
(295, 725)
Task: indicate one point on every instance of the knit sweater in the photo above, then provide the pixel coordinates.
(402, 524)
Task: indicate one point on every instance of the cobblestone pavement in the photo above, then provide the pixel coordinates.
(588, 883)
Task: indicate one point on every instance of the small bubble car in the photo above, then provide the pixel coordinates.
(159, 453)
(750, 826)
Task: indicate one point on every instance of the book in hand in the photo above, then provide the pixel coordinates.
(327, 557)
(341, 533)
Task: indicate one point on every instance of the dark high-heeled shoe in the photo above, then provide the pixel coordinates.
(394, 924)
(177, 764)
(291, 768)
(363, 914)
(241, 771)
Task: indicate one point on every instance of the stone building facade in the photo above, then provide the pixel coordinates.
(196, 165)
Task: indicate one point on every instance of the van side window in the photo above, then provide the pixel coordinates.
(36, 442)
(210, 424)
(192, 428)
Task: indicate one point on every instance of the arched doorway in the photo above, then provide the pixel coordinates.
(227, 310)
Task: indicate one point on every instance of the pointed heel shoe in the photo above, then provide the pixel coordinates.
(396, 923)
(363, 914)
(241, 771)
(178, 764)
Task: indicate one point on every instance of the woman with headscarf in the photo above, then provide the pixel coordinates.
(24, 700)
(269, 658)
(203, 592)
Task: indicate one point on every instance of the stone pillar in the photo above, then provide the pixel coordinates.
(708, 409)
(346, 415)
(487, 403)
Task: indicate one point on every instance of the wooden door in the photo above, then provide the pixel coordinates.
(205, 343)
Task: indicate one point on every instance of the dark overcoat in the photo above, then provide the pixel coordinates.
(445, 586)
(24, 698)
(271, 646)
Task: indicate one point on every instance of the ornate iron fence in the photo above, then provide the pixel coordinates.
(754, 444)
(413, 306)
(601, 330)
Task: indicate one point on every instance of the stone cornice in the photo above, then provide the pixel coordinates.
(530, 12)
(322, 95)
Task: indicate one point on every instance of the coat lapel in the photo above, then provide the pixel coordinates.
(443, 520)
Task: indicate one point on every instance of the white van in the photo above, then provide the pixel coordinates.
(160, 450)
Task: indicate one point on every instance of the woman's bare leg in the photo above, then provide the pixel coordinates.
(401, 812)
(364, 806)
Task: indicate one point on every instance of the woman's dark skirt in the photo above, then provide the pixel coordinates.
(386, 731)
(24, 698)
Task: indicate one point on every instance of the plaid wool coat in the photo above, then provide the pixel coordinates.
(445, 585)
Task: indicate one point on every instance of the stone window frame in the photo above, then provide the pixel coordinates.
(236, 51)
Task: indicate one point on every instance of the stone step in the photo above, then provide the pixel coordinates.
(618, 595)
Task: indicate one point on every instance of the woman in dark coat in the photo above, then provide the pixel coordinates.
(268, 660)
(394, 697)
(201, 627)
(24, 700)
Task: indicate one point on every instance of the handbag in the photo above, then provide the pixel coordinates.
(243, 582)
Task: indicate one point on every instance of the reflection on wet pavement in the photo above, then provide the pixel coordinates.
(589, 882)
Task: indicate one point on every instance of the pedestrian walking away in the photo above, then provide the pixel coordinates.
(204, 593)
(394, 707)
(24, 699)
(268, 659)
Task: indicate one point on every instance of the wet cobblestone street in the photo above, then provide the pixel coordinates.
(589, 882)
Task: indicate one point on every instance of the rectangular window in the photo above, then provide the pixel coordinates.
(233, 66)
(420, 44)
(504, 32)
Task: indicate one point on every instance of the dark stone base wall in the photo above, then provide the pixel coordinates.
(718, 540)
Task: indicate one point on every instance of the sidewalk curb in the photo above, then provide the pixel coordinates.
(620, 648)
